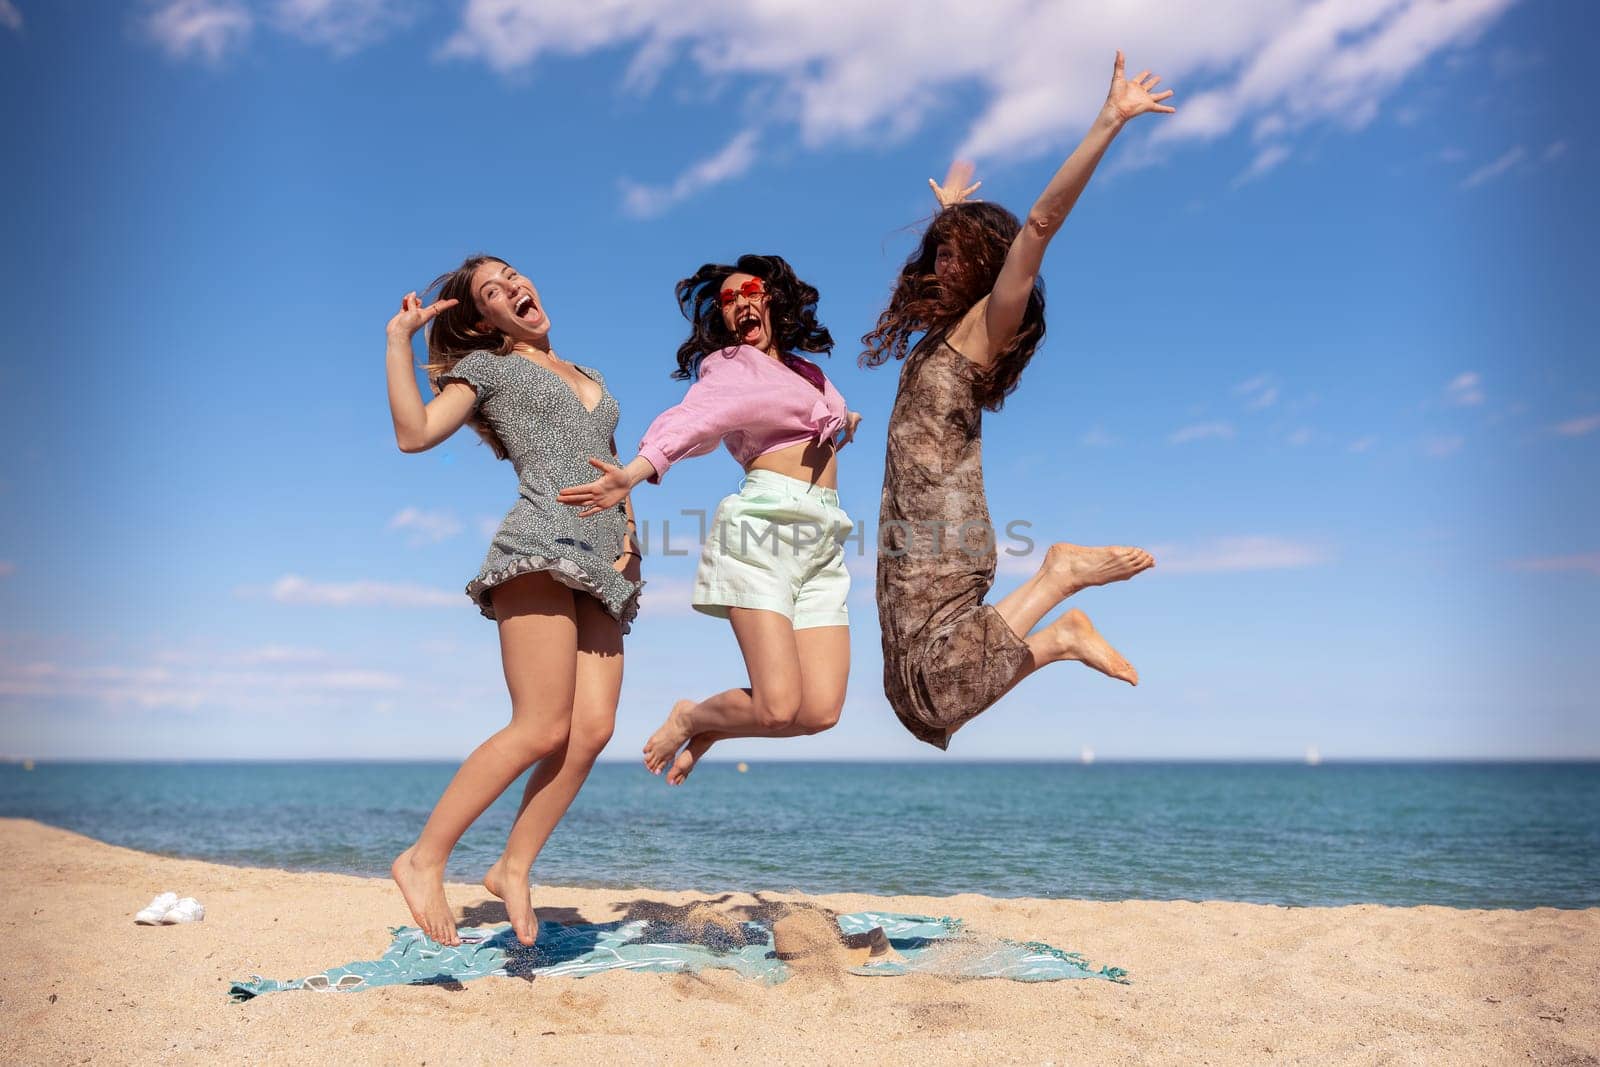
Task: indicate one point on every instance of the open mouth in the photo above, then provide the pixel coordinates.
(525, 309)
(747, 327)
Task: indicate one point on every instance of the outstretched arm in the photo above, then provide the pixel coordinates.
(418, 426)
(1008, 301)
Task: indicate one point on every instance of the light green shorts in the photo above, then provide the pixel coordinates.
(777, 544)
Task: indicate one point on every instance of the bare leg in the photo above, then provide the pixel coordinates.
(825, 651)
(1066, 570)
(767, 709)
(558, 777)
(1071, 637)
(538, 646)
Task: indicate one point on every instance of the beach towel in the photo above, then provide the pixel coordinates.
(924, 945)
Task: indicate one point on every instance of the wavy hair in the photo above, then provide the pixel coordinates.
(981, 235)
(454, 334)
(791, 306)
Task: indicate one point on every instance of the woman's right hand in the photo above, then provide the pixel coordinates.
(412, 316)
(604, 492)
(955, 189)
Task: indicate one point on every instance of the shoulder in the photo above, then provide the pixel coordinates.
(723, 359)
(479, 369)
(970, 336)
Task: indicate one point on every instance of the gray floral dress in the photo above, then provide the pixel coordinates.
(549, 435)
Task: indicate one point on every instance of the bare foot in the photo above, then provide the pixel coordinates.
(1069, 568)
(1079, 640)
(665, 742)
(512, 887)
(423, 888)
(687, 759)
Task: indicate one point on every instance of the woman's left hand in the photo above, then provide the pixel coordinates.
(604, 492)
(1126, 99)
(848, 434)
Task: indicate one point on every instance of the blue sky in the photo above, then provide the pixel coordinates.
(1316, 341)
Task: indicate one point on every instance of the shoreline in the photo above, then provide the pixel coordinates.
(1357, 983)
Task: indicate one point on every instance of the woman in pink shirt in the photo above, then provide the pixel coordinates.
(773, 561)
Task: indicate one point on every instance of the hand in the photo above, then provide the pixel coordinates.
(955, 189)
(1128, 99)
(848, 434)
(604, 492)
(412, 315)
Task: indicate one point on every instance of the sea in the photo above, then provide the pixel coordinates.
(1466, 835)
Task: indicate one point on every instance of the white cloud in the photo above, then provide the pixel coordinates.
(731, 161)
(666, 596)
(1464, 390)
(1555, 151)
(185, 681)
(204, 29)
(341, 26)
(1202, 431)
(293, 589)
(10, 17)
(425, 527)
(1267, 160)
(1490, 171)
(1587, 561)
(1363, 444)
(1034, 72)
(1096, 437)
(1300, 437)
(1578, 427)
(1443, 446)
(1225, 555)
(1259, 392)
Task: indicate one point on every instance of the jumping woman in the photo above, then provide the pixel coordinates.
(773, 563)
(561, 587)
(972, 289)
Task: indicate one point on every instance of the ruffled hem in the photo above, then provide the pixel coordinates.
(565, 571)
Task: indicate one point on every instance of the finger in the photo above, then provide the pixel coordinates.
(969, 190)
(959, 174)
(1143, 74)
(1165, 110)
(1153, 82)
(1116, 71)
(1162, 96)
(598, 464)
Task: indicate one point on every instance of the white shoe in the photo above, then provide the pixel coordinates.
(157, 909)
(187, 910)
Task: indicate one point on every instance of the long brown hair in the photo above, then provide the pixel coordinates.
(454, 334)
(981, 235)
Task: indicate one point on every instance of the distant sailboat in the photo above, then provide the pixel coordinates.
(1086, 757)
(1313, 757)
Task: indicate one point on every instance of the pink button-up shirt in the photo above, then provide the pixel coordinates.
(749, 401)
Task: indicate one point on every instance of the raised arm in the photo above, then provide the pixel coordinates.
(1008, 301)
(418, 426)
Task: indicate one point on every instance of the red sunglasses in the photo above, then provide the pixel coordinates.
(749, 290)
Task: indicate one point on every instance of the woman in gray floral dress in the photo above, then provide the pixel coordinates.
(561, 588)
(972, 290)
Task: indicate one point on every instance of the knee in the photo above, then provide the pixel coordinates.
(776, 709)
(587, 742)
(528, 743)
(819, 717)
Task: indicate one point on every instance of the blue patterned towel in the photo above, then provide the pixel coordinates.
(925, 946)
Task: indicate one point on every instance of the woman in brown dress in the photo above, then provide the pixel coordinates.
(972, 289)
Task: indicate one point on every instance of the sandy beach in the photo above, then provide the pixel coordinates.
(1211, 982)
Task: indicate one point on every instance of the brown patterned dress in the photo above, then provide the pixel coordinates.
(947, 655)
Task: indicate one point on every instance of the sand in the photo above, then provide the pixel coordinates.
(1212, 982)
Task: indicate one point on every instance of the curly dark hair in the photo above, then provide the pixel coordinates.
(792, 307)
(981, 235)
